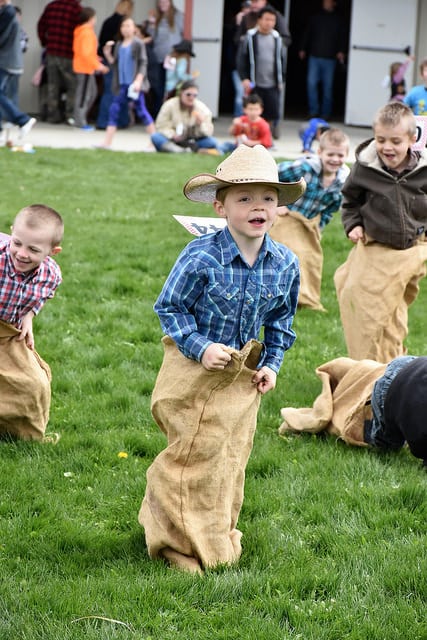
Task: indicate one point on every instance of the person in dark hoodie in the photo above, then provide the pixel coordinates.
(384, 214)
(399, 408)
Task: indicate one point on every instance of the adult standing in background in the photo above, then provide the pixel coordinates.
(166, 27)
(323, 44)
(55, 29)
(110, 30)
(11, 64)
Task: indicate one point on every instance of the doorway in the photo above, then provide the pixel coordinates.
(295, 93)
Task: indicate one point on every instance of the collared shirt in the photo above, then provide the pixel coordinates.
(317, 199)
(213, 295)
(24, 292)
(56, 26)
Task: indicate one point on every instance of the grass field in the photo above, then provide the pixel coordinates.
(334, 537)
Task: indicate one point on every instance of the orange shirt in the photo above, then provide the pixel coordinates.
(85, 45)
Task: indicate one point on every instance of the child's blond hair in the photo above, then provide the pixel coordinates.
(393, 113)
(335, 137)
(36, 216)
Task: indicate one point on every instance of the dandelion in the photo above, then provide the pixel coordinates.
(122, 454)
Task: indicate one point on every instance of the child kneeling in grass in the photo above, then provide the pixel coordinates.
(222, 290)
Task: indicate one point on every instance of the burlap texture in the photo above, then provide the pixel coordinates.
(24, 388)
(302, 236)
(340, 408)
(375, 287)
(195, 486)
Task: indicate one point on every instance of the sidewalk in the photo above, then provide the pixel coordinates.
(135, 139)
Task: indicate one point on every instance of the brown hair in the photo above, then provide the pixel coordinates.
(169, 14)
(38, 215)
(86, 14)
(423, 64)
(391, 115)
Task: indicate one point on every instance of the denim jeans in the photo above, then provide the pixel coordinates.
(380, 435)
(208, 142)
(8, 109)
(320, 74)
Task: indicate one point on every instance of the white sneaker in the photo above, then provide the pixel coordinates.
(26, 128)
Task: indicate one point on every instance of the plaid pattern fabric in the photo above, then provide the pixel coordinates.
(24, 292)
(56, 26)
(212, 295)
(317, 199)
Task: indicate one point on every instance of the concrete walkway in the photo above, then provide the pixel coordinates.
(135, 138)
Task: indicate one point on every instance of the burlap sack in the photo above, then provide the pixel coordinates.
(375, 287)
(302, 236)
(24, 388)
(195, 486)
(341, 407)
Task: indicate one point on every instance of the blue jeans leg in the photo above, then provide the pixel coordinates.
(380, 435)
(158, 140)
(9, 110)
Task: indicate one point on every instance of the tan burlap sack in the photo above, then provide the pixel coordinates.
(195, 486)
(302, 236)
(375, 287)
(24, 388)
(341, 407)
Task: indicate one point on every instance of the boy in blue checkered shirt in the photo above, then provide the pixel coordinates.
(223, 288)
(300, 224)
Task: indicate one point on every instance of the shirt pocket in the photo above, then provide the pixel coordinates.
(271, 297)
(222, 299)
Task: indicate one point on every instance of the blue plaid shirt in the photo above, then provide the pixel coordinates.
(317, 199)
(213, 295)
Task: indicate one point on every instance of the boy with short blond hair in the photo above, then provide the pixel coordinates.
(223, 289)
(384, 214)
(300, 224)
(28, 274)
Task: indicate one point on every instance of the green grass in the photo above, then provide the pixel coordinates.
(334, 536)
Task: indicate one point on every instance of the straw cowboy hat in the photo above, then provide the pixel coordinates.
(246, 165)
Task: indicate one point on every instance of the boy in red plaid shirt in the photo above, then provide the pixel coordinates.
(28, 275)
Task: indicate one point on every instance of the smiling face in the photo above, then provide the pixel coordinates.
(29, 247)
(250, 211)
(332, 156)
(393, 142)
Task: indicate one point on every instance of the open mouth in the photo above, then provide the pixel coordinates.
(257, 221)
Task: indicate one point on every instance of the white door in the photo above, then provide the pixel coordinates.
(380, 31)
(207, 39)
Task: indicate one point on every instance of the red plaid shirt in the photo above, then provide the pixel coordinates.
(24, 292)
(56, 26)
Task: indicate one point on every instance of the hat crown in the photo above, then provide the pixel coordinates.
(248, 164)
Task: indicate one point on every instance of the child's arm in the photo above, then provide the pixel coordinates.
(398, 76)
(107, 51)
(27, 330)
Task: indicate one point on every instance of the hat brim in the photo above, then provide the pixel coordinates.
(204, 187)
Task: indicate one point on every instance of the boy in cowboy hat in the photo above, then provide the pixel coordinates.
(223, 289)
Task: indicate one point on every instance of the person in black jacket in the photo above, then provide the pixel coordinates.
(323, 44)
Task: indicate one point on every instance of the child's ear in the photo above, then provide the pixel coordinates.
(55, 250)
(219, 208)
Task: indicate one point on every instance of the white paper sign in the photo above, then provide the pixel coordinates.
(421, 140)
(199, 226)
